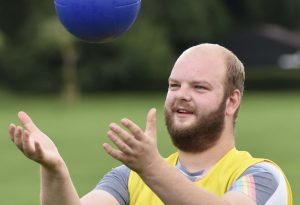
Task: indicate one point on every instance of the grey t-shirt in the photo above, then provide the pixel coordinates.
(259, 182)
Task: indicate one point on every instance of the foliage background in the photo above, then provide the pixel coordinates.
(33, 43)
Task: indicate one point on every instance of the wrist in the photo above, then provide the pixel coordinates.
(58, 171)
(157, 165)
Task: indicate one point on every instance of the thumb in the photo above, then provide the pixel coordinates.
(151, 123)
(27, 122)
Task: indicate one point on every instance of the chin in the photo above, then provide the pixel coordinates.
(183, 123)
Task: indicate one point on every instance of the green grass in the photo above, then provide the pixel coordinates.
(268, 126)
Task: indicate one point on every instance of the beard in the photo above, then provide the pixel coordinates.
(202, 134)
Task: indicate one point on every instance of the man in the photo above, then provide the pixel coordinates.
(205, 90)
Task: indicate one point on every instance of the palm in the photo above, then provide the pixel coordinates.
(33, 143)
(50, 154)
(136, 148)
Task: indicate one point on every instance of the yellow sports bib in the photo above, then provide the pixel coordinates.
(219, 179)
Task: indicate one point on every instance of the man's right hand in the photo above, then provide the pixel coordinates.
(56, 184)
(34, 144)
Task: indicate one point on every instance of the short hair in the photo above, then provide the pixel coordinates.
(235, 75)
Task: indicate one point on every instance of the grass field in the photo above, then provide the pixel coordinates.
(268, 126)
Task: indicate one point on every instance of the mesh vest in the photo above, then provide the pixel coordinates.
(219, 179)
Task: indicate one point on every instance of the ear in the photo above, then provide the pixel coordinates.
(233, 102)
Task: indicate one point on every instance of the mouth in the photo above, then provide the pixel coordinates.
(183, 112)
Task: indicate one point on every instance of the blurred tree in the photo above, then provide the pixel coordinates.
(2, 48)
(283, 12)
(189, 22)
(2, 41)
(195, 21)
(138, 60)
(25, 67)
(12, 17)
(37, 48)
(52, 34)
(46, 52)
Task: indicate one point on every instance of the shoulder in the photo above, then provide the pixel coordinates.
(117, 175)
(115, 182)
(264, 182)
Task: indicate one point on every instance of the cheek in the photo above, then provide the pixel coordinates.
(169, 100)
(205, 105)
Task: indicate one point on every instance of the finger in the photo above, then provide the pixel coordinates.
(117, 154)
(123, 134)
(28, 147)
(134, 129)
(11, 131)
(27, 122)
(123, 147)
(18, 138)
(151, 123)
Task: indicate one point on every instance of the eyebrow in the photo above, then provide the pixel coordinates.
(192, 82)
(171, 79)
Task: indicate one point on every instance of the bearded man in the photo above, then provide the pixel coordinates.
(204, 95)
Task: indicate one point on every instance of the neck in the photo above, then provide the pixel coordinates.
(204, 160)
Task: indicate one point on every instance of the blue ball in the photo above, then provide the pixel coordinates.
(97, 20)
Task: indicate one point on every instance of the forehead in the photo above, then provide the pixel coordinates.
(200, 64)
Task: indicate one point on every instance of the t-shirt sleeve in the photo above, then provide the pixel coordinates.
(264, 183)
(115, 182)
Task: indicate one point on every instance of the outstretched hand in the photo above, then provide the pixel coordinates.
(33, 143)
(136, 148)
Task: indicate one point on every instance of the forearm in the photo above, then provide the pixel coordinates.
(173, 188)
(57, 187)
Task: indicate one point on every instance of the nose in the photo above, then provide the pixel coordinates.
(184, 94)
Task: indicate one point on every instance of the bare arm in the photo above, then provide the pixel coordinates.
(56, 184)
(138, 150)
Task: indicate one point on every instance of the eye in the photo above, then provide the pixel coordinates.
(200, 87)
(173, 86)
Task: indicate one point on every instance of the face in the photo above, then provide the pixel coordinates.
(195, 104)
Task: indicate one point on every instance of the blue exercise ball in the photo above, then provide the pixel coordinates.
(97, 20)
